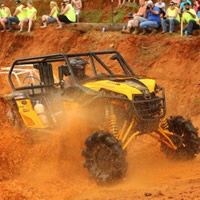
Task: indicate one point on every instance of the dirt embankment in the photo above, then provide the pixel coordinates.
(52, 169)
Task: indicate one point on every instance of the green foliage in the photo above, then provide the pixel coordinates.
(93, 16)
(119, 17)
(119, 13)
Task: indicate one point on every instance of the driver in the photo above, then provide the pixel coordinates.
(78, 66)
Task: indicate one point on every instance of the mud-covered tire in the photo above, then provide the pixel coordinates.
(185, 138)
(104, 158)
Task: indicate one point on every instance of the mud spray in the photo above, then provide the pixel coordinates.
(52, 167)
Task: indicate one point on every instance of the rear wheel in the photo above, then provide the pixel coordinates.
(185, 138)
(105, 158)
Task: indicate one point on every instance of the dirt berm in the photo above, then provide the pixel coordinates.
(53, 169)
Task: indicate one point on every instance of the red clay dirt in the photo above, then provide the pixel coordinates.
(52, 169)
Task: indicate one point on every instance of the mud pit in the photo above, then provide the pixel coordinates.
(52, 169)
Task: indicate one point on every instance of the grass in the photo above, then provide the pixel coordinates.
(103, 16)
(117, 18)
(121, 12)
(92, 16)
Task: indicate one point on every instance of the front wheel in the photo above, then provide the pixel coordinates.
(185, 137)
(105, 158)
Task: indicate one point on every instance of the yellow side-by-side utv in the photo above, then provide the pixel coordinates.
(121, 106)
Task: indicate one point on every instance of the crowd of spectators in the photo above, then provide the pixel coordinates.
(151, 16)
(27, 14)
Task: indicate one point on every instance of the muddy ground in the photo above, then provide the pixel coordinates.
(52, 169)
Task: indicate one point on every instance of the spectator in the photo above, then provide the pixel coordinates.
(197, 8)
(153, 18)
(77, 4)
(52, 16)
(183, 3)
(134, 23)
(30, 18)
(67, 14)
(161, 5)
(177, 3)
(172, 18)
(18, 15)
(5, 12)
(190, 17)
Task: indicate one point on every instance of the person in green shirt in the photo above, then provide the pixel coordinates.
(171, 17)
(67, 14)
(5, 12)
(190, 17)
(51, 18)
(18, 15)
(30, 18)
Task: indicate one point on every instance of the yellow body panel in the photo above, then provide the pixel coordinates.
(127, 88)
(29, 116)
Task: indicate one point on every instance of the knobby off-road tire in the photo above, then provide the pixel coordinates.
(105, 158)
(185, 137)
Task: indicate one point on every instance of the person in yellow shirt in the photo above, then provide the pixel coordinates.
(67, 14)
(51, 18)
(5, 12)
(171, 17)
(18, 15)
(190, 17)
(30, 18)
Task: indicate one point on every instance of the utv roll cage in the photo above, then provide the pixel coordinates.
(43, 65)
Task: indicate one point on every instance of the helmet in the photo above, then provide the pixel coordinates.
(78, 66)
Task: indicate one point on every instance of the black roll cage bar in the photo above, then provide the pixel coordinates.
(65, 57)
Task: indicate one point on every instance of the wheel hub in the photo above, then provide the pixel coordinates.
(104, 158)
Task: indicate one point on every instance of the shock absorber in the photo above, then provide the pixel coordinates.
(164, 124)
(113, 122)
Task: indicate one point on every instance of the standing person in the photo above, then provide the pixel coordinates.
(172, 18)
(51, 18)
(153, 18)
(18, 15)
(67, 14)
(190, 17)
(134, 23)
(5, 12)
(177, 2)
(77, 4)
(31, 16)
(197, 8)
